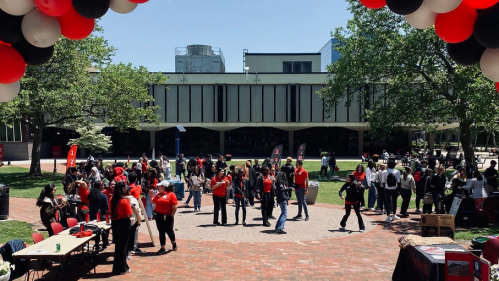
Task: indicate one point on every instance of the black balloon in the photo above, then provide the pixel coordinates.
(404, 7)
(33, 55)
(91, 9)
(10, 31)
(468, 52)
(7, 17)
(487, 27)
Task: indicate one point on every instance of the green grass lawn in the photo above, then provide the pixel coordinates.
(472, 233)
(24, 186)
(17, 230)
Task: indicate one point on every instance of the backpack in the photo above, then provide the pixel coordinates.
(391, 179)
(417, 176)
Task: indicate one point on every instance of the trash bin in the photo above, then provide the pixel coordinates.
(4, 202)
(313, 191)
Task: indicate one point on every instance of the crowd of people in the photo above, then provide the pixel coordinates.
(386, 183)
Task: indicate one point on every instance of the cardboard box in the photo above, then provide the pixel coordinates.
(437, 226)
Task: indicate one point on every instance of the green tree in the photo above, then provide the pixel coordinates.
(415, 82)
(91, 138)
(65, 92)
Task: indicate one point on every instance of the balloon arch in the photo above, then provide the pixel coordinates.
(30, 28)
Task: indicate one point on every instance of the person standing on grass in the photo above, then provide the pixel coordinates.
(360, 175)
(381, 190)
(372, 194)
(352, 189)
(324, 166)
(48, 206)
(239, 184)
(282, 194)
(332, 165)
(407, 185)
(121, 212)
(391, 182)
(219, 187)
(301, 189)
(166, 207)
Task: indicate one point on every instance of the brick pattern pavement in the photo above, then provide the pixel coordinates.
(368, 256)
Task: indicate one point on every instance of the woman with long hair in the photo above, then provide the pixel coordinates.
(150, 183)
(239, 185)
(121, 212)
(165, 209)
(282, 192)
(353, 194)
(197, 188)
(407, 185)
(48, 206)
(360, 176)
(264, 185)
(219, 187)
(476, 186)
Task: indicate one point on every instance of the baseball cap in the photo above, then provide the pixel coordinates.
(164, 183)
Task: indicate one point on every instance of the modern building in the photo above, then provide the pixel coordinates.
(329, 54)
(275, 100)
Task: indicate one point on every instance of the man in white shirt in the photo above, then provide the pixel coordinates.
(391, 182)
(324, 165)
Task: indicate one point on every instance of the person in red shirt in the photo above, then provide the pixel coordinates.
(264, 185)
(109, 191)
(219, 186)
(83, 192)
(135, 189)
(121, 212)
(200, 160)
(301, 189)
(360, 175)
(166, 207)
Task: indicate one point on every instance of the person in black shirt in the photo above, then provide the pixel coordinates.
(438, 185)
(180, 166)
(352, 189)
(71, 176)
(257, 167)
(427, 188)
(207, 171)
(432, 161)
(289, 170)
(221, 163)
(470, 169)
(491, 176)
(332, 165)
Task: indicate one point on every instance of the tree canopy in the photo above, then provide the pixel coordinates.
(415, 82)
(65, 91)
(91, 138)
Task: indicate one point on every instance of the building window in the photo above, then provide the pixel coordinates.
(297, 67)
(221, 103)
(293, 104)
(12, 133)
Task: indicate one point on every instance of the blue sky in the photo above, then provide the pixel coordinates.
(148, 36)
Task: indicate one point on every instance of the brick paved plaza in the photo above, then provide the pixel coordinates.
(313, 250)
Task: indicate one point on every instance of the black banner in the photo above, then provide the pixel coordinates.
(301, 152)
(275, 157)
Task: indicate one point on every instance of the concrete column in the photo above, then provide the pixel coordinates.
(152, 143)
(431, 142)
(291, 141)
(222, 142)
(361, 142)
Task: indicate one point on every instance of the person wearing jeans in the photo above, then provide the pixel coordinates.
(407, 184)
(301, 189)
(197, 188)
(282, 193)
(239, 185)
(391, 181)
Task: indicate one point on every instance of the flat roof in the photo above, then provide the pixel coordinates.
(282, 54)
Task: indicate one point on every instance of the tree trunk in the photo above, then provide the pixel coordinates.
(35, 169)
(466, 141)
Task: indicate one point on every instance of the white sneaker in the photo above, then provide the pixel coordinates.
(388, 219)
(319, 177)
(199, 210)
(372, 209)
(128, 257)
(362, 230)
(395, 217)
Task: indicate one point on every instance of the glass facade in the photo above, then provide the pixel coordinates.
(11, 133)
(329, 54)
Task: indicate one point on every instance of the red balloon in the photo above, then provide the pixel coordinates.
(497, 86)
(138, 1)
(456, 26)
(371, 4)
(481, 4)
(54, 8)
(74, 26)
(12, 65)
